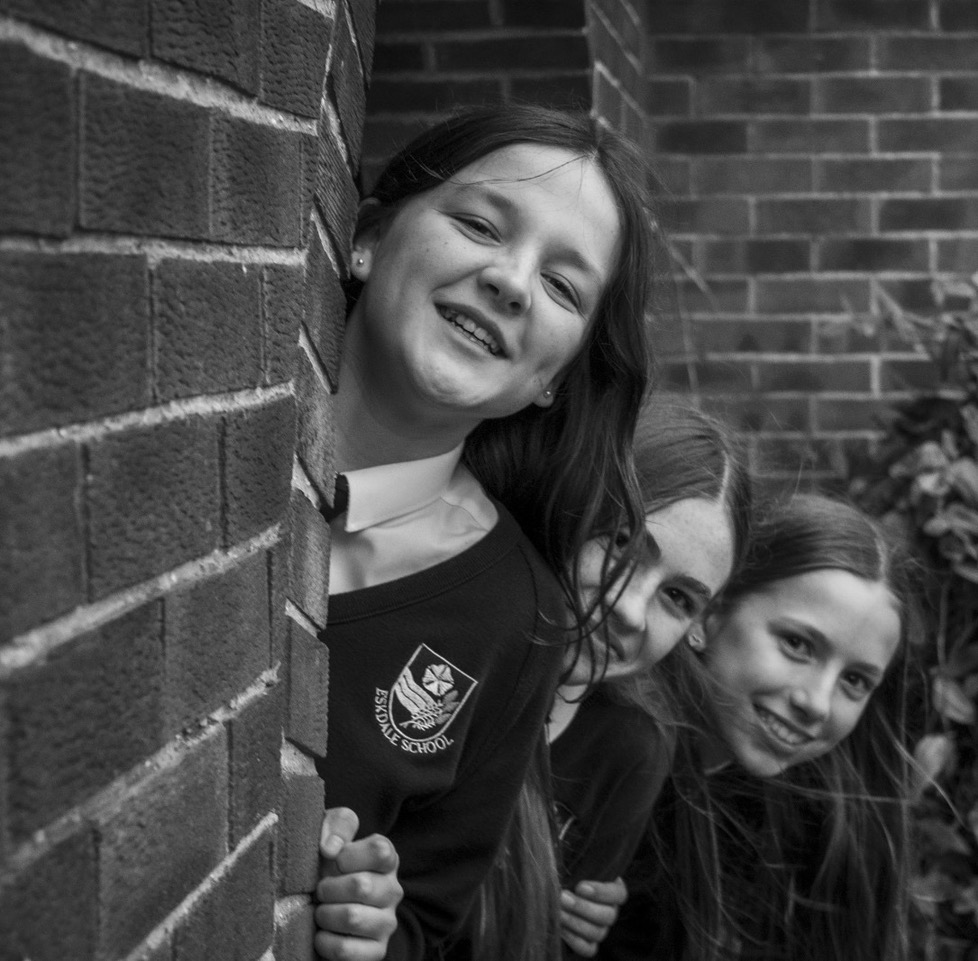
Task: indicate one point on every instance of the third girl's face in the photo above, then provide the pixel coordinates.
(797, 662)
(480, 291)
(688, 555)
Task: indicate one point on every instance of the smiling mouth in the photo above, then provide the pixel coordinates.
(475, 333)
(779, 730)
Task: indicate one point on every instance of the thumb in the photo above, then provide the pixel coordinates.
(340, 825)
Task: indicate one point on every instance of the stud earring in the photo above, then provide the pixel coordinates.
(548, 393)
(359, 261)
(696, 641)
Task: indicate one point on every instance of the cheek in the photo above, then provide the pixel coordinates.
(662, 634)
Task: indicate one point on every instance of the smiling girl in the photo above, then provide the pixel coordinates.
(495, 353)
(782, 832)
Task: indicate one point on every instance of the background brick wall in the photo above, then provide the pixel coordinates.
(819, 151)
(176, 198)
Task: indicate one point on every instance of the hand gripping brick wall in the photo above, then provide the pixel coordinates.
(819, 152)
(177, 195)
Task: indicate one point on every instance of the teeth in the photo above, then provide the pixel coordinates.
(477, 333)
(779, 729)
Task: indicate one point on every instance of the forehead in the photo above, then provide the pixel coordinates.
(859, 618)
(695, 534)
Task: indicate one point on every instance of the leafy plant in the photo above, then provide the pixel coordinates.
(924, 478)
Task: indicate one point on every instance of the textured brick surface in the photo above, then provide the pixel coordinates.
(234, 919)
(256, 178)
(76, 337)
(282, 312)
(221, 39)
(298, 839)
(144, 162)
(216, 641)
(315, 437)
(41, 538)
(88, 713)
(255, 740)
(295, 41)
(121, 25)
(347, 84)
(37, 149)
(309, 587)
(295, 926)
(207, 325)
(153, 501)
(60, 884)
(336, 196)
(308, 691)
(324, 302)
(160, 842)
(257, 468)
(279, 573)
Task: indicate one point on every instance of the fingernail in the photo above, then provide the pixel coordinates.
(586, 890)
(332, 846)
(566, 899)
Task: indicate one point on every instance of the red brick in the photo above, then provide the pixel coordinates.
(429, 16)
(279, 573)
(719, 16)
(865, 15)
(295, 924)
(215, 37)
(756, 414)
(256, 181)
(434, 94)
(848, 335)
(257, 462)
(810, 136)
(298, 837)
(234, 920)
(207, 326)
(754, 336)
(958, 173)
(958, 15)
(711, 215)
(754, 256)
(927, 52)
(77, 338)
(811, 295)
(160, 842)
(217, 641)
(701, 136)
(958, 255)
(309, 587)
(42, 544)
(87, 714)
(395, 57)
(813, 376)
(874, 254)
(121, 25)
(295, 42)
(570, 91)
(873, 174)
(695, 55)
(751, 95)
(346, 81)
(957, 93)
(282, 303)
(917, 375)
(325, 309)
(543, 52)
(874, 95)
(811, 54)
(818, 216)
(722, 296)
(309, 154)
(726, 376)
(929, 213)
(308, 691)
(556, 14)
(752, 175)
(315, 435)
(336, 195)
(942, 134)
(144, 162)
(153, 501)
(48, 909)
(669, 97)
(38, 149)
(364, 26)
(255, 742)
(798, 455)
(849, 413)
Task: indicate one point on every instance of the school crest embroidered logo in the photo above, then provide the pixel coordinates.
(427, 695)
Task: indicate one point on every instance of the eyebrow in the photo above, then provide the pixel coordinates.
(511, 208)
(816, 635)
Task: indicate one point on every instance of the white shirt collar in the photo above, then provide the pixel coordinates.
(381, 493)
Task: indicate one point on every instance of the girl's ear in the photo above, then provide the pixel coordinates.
(365, 238)
(546, 396)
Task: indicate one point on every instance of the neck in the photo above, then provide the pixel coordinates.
(567, 701)
(376, 424)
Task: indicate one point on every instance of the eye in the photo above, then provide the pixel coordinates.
(682, 601)
(858, 685)
(477, 225)
(795, 646)
(563, 289)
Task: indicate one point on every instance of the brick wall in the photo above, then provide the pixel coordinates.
(433, 55)
(819, 151)
(171, 226)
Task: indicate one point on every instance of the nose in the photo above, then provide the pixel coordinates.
(631, 608)
(813, 698)
(508, 281)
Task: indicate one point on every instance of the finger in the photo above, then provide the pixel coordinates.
(336, 947)
(356, 921)
(602, 915)
(374, 853)
(579, 946)
(604, 892)
(365, 887)
(340, 825)
(573, 924)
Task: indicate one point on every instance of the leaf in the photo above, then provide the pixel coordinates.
(935, 754)
(951, 702)
(967, 569)
(963, 476)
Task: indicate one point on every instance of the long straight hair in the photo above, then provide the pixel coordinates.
(827, 840)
